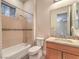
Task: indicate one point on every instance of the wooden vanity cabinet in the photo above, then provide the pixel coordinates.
(53, 54)
(70, 56)
(59, 51)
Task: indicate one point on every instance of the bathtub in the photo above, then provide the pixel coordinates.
(15, 52)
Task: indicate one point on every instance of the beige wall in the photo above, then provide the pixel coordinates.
(28, 36)
(28, 6)
(13, 37)
(43, 17)
(0, 32)
(16, 35)
(0, 36)
(14, 22)
(21, 21)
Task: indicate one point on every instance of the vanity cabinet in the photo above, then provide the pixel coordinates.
(53, 54)
(60, 51)
(70, 56)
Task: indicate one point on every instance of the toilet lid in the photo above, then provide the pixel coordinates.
(34, 49)
(40, 38)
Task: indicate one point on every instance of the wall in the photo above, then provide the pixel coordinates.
(0, 36)
(28, 6)
(17, 29)
(13, 31)
(43, 17)
(12, 37)
(0, 32)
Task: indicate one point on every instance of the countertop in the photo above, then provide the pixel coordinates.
(68, 42)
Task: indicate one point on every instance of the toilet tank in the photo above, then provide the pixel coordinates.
(40, 41)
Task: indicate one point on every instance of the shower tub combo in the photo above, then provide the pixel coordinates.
(16, 52)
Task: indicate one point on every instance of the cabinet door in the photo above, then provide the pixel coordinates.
(70, 56)
(53, 54)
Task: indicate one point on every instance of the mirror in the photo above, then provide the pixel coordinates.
(61, 28)
(75, 19)
(65, 21)
(77, 16)
(60, 22)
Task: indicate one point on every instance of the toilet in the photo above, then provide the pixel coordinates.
(35, 52)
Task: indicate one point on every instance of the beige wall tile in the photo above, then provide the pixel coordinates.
(21, 21)
(28, 36)
(16, 23)
(11, 38)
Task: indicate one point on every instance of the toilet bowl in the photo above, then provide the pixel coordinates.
(35, 52)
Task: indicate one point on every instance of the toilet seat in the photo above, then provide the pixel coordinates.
(34, 50)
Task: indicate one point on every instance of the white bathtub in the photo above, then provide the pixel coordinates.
(15, 52)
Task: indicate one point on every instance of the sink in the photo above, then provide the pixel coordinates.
(67, 40)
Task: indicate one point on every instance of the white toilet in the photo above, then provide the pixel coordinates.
(35, 52)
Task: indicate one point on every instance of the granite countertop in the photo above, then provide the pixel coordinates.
(68, 42)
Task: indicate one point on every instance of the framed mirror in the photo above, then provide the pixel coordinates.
(60, 22)
(65, 20)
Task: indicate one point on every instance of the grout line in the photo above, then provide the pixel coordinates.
(16, 29)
